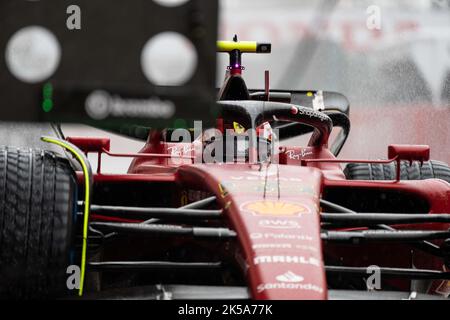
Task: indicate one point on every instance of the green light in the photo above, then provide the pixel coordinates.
(47, 105)
(179, 123)
(47, 91)
(47, 95)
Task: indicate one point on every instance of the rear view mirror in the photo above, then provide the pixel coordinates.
(409, 152)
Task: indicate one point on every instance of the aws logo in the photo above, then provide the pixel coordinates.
(279, 224)
(275, 208)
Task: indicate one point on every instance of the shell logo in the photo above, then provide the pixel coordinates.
(275, 208)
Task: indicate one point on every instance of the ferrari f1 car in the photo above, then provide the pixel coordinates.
(261, 219)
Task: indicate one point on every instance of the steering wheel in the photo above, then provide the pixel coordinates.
(251, 114)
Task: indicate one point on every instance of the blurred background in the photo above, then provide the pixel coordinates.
(396, 77)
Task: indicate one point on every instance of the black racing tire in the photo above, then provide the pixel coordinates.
(37, 204)
(376, 171)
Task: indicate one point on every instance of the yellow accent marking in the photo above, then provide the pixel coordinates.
(238, 128)
(243, 46)
(223, 191)
(309, 94)
(184, 198)
(86, 206)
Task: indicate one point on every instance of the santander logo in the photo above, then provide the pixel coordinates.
(289, 276)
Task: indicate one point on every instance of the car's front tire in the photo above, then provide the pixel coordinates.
(37, 206)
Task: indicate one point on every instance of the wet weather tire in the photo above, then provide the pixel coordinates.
(374, 171)
(37, 202)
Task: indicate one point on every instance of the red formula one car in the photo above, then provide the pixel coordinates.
(230, 212)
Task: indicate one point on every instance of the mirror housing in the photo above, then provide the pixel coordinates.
(409, 152)
(90, 144)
